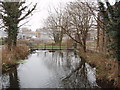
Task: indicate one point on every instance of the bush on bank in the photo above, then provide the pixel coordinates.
(10, 58)
(106, 68)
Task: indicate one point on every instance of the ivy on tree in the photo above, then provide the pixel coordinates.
(12, 14)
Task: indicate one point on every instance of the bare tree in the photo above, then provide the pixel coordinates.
(80, 22)
(0, 17)
(75, 21)
(52, 24)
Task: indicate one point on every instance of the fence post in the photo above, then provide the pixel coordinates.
(60, 45)
(52, 46)
(45, 46)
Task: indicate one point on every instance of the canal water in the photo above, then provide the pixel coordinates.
(44, 69)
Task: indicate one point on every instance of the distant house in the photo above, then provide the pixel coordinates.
(26, 33)
(42, 34)
(38, 33)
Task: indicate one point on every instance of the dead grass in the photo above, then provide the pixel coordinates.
(30, 42)
(17, 53)
(106, 67)
(68, 43)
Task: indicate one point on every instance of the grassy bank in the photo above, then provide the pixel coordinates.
(52, 47)
(11, 58)
(106, 68)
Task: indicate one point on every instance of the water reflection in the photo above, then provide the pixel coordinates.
(44, 69)
(10, 80)
(77, 78)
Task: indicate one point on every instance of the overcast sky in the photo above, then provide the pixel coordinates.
(41, 12)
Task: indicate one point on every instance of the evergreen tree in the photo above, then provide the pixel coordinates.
(11, 16)
(111, 19)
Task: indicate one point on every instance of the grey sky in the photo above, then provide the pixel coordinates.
(41, 13)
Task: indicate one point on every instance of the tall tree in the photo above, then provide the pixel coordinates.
(111, 16)
(12, 14)
(53, 23)
(80, 22)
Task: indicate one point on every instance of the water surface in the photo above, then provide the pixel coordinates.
(44, 69)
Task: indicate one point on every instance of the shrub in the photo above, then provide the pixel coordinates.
(17, 53)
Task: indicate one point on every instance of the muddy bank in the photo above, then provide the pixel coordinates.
(9, 68)
(104, 83)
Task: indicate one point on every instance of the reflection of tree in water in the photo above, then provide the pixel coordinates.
(68, 65)
(75, 53)
(57, 57)
(77, 78)
(62, 59)
(14, 79)
(73, 66)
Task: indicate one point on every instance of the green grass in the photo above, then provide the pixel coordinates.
(50, 47)
(21, 61)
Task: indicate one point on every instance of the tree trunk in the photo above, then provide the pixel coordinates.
(98, 35)
(84, 44)
(84, 47)
(9, 41)
(15, 40)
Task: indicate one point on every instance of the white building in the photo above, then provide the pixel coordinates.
(25, 33)
(43, 34)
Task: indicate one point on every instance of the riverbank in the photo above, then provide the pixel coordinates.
(106, 68)
(11, 58)
(58, 71)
